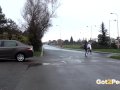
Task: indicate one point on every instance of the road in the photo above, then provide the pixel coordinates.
(60, 69)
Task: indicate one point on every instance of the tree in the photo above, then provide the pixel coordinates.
(2, 21)
(8, 28)
(12, 29)
(66, 42)
(2, 16)
(38, 18)
(71, 40)
(103, 39)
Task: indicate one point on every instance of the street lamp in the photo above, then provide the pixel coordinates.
(109, 27)
(60, 39)
(90, 32)
(109, 32)
(117, 27)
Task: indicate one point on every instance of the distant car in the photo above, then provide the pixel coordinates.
(12, 49)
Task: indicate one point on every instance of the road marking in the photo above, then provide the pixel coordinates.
(63, 62)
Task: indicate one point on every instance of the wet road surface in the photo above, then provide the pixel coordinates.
(60, 69)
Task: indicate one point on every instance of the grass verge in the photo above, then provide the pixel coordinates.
(115, 57)
(108, 50)
(75, 47)
(37, 53)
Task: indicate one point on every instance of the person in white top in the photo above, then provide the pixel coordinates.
(89, 47)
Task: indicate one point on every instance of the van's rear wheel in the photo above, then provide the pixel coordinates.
(20, 57)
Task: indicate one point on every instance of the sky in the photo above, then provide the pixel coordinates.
(80, 19)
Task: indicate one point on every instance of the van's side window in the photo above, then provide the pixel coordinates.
(9, 44)
(0, 43)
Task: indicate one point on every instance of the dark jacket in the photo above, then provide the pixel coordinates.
(85, 46)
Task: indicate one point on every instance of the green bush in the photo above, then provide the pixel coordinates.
(23, 39)
(96, 45)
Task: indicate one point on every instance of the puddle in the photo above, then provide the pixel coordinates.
(46, 64)
(94, 60)
(53, 63)
(43, 64)
(34, 65)
(63, 61)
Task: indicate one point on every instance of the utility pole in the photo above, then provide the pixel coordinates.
(117, 29)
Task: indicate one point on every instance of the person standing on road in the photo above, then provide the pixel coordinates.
(85, 48)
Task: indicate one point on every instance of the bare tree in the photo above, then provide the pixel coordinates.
(38, 14)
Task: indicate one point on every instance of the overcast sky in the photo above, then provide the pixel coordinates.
(74, 17)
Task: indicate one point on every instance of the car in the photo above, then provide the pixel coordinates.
(13, 49)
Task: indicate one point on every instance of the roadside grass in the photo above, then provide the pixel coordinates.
(108, 50)
(75, 47)
(115, 57)
(37, 53)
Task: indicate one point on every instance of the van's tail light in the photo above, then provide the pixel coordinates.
(30, 48)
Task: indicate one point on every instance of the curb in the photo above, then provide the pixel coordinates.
(42, 51)
(105, 52)
(102, 52)
(109, 54)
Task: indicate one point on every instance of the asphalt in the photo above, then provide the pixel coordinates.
(60, 69)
